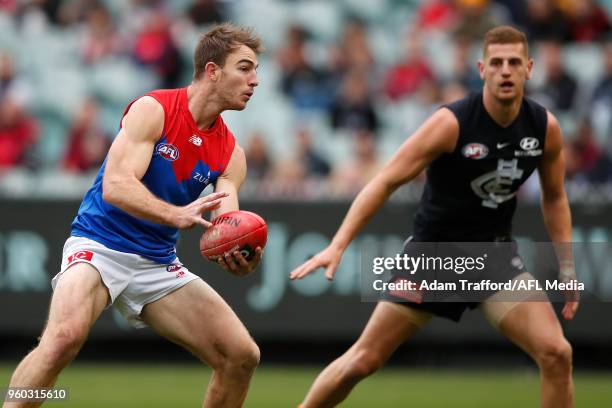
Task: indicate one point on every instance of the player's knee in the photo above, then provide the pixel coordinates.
(61, 344)
(249, 357)
(243, 358)
(555, 356)
(363, 363)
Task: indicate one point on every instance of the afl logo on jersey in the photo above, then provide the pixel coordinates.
(529, 143)
(168, 151)
(475, 151)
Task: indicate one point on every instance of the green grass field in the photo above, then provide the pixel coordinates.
(171, 385)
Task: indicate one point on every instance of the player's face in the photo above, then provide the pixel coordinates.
(505, 70)
(238, 78)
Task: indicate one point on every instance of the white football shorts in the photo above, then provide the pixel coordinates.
(132, 281)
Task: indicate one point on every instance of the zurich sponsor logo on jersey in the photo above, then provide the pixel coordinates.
(475, 151)
(167, 151)
(201, 177)
(529, 143)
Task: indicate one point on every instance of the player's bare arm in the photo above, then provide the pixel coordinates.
(438, 135)
(229, 182)
(555, 206)
(127, 162)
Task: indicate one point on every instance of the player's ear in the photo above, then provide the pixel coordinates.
(212, 71)
(480, 65)
(529, 68)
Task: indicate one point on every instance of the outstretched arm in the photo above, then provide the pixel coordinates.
(127, 162)
(436, 136)
(555, 207)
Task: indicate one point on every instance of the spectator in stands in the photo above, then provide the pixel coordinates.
(71, 13)
(315, 165)
(87, 142)
(404, 79)
(48, 10)
(303, 83)
(353, 107)
(288, 180)
(453, 91)
(299, 175)
(603, 89)
(590, 162)
(588, 21)
(258, 157)
(13, 85)
(437, 15)
(464, 71)
(155, 48)
(350, 177)
(570, 154)
(99, 39)
(545, 21)
(475, 19)
(9, 7)
(203, 12)
(352, 51)
(18, 135)
(429, 96)
(601, 100)
(516, 10)
(559, 89)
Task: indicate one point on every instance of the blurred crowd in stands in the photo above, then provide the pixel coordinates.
(343, 83)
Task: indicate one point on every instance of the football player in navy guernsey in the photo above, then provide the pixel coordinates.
(121, 252)
(477, 151)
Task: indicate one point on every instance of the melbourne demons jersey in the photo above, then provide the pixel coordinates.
(185, 160)
(470, 194)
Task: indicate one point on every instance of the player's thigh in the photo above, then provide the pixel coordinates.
(531, 325)
(197, 318)
(78, 300)
(390, 325)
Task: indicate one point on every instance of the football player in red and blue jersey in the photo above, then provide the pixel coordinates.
(172, 144)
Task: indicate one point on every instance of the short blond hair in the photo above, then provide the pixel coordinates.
(505, 35)
(217, 43)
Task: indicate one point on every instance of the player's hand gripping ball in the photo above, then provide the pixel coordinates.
(242, 231)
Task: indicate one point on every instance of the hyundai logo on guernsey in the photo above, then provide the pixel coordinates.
(530, 147)
(168, 151)
(529, 143)
(196, 140)
(475, 151)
